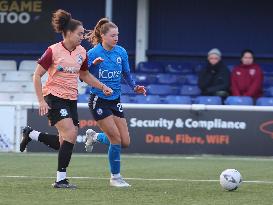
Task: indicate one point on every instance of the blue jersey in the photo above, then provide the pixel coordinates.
(111, 70)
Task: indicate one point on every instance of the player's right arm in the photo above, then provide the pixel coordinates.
(43, 64)
(43, 106)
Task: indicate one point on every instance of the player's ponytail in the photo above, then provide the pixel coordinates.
(62, 22)
(102, 27)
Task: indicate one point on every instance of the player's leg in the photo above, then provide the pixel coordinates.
(68, 133)
(66, 121)
(121, 123)
(99, 109)
(53, 116)
(123, 130)
(30, 134)
(92, 137)
(108, 126)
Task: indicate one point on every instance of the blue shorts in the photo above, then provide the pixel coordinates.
(101, 108)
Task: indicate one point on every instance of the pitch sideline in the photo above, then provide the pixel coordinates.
(138, 179)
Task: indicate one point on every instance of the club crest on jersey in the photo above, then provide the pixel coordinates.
(79, 59)
(119, 60)
(252, 71)
(99, 111)
(63, 112)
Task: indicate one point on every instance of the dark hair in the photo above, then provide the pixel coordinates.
(62, 22)
(102, 27)
(247, 51)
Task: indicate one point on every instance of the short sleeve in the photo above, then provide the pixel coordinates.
(91, 57)
(46, 60)
(84, 66)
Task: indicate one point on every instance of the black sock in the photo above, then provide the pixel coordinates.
(64, 157)
(50, 140)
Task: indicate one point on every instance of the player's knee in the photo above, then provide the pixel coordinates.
(125, 143)
(114, 138)
(115, 141)
(70, 135)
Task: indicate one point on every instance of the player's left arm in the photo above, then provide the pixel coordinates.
(128, 77)
(91, 80)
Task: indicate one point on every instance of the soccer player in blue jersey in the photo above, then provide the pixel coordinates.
(108, 62)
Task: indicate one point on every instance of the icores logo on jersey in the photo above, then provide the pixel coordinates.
(106, 74)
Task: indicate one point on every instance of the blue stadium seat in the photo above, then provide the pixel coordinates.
(126, 89)
(268, 92)
(126, 99)
(267, 68)
(190, 90)
(156, 89)
(149, 99)
(268, 81)
(167, 78)
(84, 98)
(208, 100)
(177, 99)
(192, 79)
(150, 67)
(179, 67)
(198, 67)
(264, 101)
(230, 67)
(239, 100)
(144, 78)
(181, 80)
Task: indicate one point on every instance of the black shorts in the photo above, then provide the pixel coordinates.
(101, 108)
(61, 109)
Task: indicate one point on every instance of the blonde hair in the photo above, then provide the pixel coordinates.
(102, 27)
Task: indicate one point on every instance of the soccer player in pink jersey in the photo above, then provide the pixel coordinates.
(65, 62)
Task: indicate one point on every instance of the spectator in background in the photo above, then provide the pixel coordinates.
(214, 79)
(247, 78)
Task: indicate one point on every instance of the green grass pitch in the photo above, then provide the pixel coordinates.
(26, 179)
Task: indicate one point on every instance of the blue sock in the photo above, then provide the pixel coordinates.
(114, 158)
(102, 138)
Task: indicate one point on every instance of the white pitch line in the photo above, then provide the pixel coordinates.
(139, 179)
(139, 156)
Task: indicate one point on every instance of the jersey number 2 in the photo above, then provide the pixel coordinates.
(120, 107)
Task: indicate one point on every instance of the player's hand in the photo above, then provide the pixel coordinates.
(43, 108)
(97, 60)
(106, 90)
(140, 90)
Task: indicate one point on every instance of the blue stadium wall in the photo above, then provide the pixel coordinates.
(177, 28)
(29, 41)
(192, 27)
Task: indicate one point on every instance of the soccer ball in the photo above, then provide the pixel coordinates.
(230, 179)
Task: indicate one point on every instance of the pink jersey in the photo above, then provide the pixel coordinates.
(63, 68)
